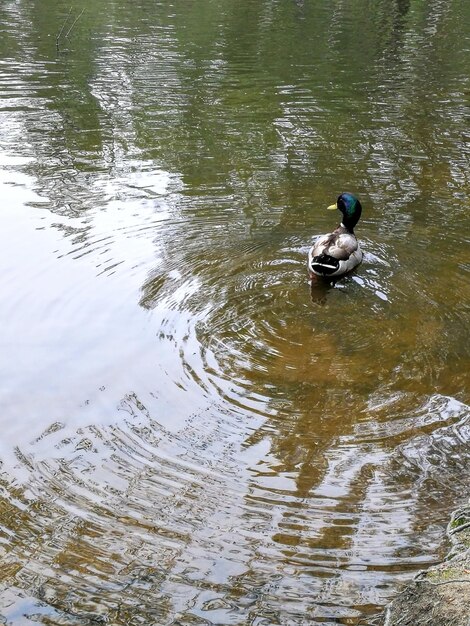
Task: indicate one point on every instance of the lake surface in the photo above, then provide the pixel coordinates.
(191, 434)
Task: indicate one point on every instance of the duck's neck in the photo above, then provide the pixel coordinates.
(348, 229)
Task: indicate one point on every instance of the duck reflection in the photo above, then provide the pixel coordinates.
(319, 290)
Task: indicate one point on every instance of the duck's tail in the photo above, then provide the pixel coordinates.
(324, 264)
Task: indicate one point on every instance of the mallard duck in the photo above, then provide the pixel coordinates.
(338, 252)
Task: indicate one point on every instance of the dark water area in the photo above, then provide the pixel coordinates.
(190, 433)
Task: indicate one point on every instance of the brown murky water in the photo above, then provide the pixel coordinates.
(189, 433)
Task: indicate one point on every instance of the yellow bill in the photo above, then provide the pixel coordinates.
(332, 207)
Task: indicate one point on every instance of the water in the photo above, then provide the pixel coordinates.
(190, 433)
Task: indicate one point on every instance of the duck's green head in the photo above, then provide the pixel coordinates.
(351, 209)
